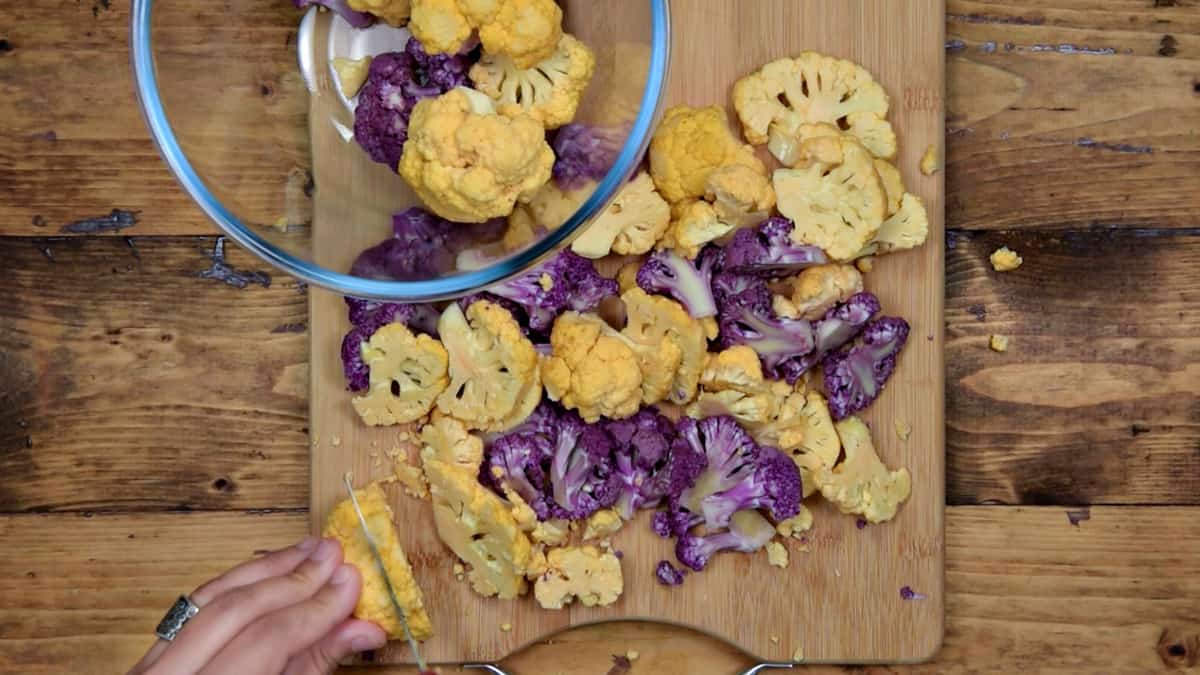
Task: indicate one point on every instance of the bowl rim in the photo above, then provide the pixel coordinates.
(424, 290)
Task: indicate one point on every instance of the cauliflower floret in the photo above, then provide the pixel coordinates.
(591, 369)
(861, 484)
(906, 228)
(930, 164)
(745, 407)
(526, 31)
(802, 427)
(548, 208)
(548, 91)
(1005, 259)
(998, 343)
(551, 532)
(469, 165)
(817, 289)
(408, 372)
(837, 201)
(740, 195)
(654, 320)
(694, 225)
(583, 572)
(794, 526)
(603, 523)
(777, 555)
(688, 145)
(351, 73)
(732, 384)
(394, 12)
(479, 527)
(773, 102)
(492, 366)
(447, 440)
(735, 368)
(893, 184)
(374, 603)
(631, 225)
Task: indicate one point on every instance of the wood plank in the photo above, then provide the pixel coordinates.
(884, 38)
(1027, 592)
(128, 382)
(74, 145)
(1095, 399)
(1087, 109)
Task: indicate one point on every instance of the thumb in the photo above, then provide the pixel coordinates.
(350, 637)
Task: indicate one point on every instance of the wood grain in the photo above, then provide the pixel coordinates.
(1095, 400)
(128, 382)
(1026, 592)
(703, 68)
(1087, 109)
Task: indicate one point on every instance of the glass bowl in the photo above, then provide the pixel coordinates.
(246, 111)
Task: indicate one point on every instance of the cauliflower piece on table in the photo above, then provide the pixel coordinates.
(817, 289)
(603, 523)
(492, 367)
(548, 91)
(374, 603)
(654, 320)
(777, 555)
(741, 196)
(468, 164)
(591, 369)
(861, 484)
(408, 373)
(837, 201)
(794, 526)
(774, 101)
(631, 225)
(394, 12)
(479, 527)
(695, 224)
(447, 440)
(351, 73)
(688, 145)
(998, 343)
(1005, 260)
(930, 163)
(579, 572)
(527, 31)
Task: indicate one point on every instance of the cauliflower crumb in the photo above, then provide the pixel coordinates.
(506, 626)
(603, 523)
(413, 481)
(929, 161)
(797, 524)
(632, 655)
(546, 281)
(998, 343)
(774, 638)
(335, 441)
(865, 264)
(903, 430)
(1005, 260)
(550, 532)
(777, 555)
(459, 569)
(798, 655)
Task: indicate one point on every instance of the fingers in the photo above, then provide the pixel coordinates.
(228, 614)
(271, 565)
(271, 641)
(350, 637)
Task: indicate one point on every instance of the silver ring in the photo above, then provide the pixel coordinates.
(179, 614)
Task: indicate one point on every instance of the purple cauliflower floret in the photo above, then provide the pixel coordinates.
(566, 281)
(748, 532)
(662, 524)
(768, 250)
(357, 372)
(641, 451)
(342, 9)
(855, 377)
(582, 479)
(669, 273)
(730, 455)
(844, 321)
(667, 574)
(583, 153)
(747, 318)
(773, 485)
(395, 82)
(422, 246)
(368, 316)
(521, 459)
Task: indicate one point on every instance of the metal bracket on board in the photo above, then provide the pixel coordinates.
(752, 671)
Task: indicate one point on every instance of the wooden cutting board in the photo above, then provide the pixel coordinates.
(839, 600)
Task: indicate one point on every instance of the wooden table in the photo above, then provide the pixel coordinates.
(153, 423)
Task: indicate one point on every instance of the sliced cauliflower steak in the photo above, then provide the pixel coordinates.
(549, 91)
(408, 372)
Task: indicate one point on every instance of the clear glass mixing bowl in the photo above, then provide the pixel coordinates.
(258, 146)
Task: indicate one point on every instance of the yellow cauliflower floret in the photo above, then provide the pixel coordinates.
(526, 31)
(802, 427)
(861, 484)
(631, 225)
(591, 369)
(551, 532)
(394, 12)
(447, 440)
(688, 145)
(548, 208)
(603, 523)
(906, 228)
(734, 368)
(492, 367)
(654, 320)
(740, 196)
(408, 372)
(746, 408)
(1005, 259)
(479, 527)
(548, 91)
(817, 289)
(579, 572)
(732, 384)
(468, 164)
(893, 184)
(695, 225)
(775, 101)
(837, 201)
(375, 603)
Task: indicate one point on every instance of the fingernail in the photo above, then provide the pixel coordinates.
(326, 550)
(364, 643)
(343, 575)
(307, 544)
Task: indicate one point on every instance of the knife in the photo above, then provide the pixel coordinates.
(412, 644)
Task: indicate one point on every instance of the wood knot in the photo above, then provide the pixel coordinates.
(223, 485)
(1178, 650)
(1168, 46)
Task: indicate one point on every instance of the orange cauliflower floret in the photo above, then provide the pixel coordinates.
(695, 224)
(732, 384)
(468, 164)
(655, 323)
(776, 100)
(548, 91)
(688, 145)
(631, 224)
(526, 31)
(394, 12)
(591, 369)
(408, 372)
(493, 367)
(740, 195)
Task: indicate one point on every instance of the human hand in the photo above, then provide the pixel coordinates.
(287, 613)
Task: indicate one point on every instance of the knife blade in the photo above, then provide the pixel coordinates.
(387, 582)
